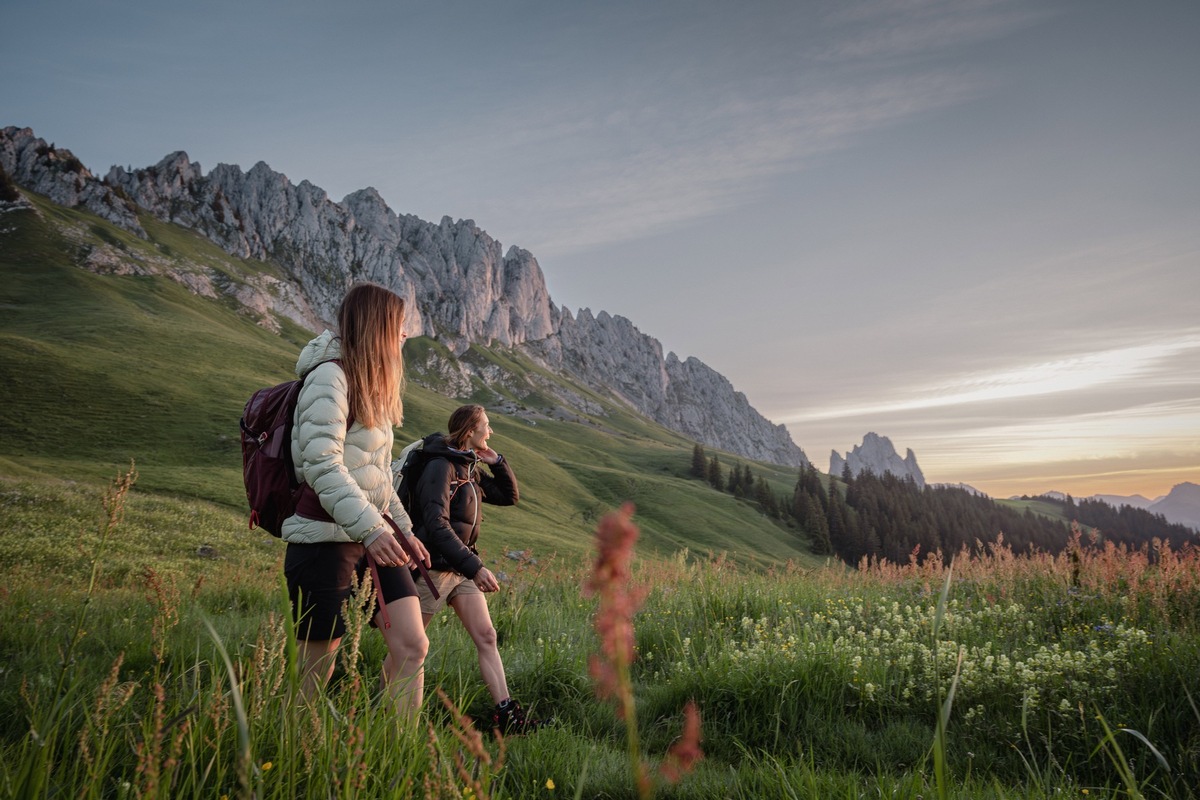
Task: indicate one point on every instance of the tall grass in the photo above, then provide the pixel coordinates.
(1009, 677)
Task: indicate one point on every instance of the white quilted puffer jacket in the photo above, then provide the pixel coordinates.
(349, 469)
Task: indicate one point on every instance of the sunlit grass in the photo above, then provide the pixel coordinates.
(1040, 677)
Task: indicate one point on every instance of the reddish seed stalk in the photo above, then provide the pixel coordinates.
(611, 581)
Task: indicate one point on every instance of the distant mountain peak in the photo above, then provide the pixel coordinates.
(1181, 505)
(876, 454)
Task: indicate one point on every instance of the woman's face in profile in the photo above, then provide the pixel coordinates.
(478, 437)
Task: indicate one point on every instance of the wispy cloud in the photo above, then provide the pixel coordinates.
(1074, 373)
(684, 161)
(665, 144)
(1127, 432)
(893, 28)
(1150, 446)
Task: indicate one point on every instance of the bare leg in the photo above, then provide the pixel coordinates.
(472, 609)
(404, 665)
(316, 665)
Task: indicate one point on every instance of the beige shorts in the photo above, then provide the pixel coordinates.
(449, 585)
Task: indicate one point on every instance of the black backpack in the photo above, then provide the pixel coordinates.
(407, 470)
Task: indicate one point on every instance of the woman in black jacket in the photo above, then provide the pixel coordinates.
(446, 518)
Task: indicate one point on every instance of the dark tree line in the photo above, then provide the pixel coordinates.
(887, 517)
(890, 518)
(1126, 525)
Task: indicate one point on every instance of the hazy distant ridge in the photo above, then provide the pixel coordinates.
(1134, 501)
(461, 286)
(1180, 506)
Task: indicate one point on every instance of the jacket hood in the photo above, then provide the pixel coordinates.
(436, 447)
(325, 347)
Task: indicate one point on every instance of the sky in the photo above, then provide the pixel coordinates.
(970, 226)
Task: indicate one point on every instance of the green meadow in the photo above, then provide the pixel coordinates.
(145, 648)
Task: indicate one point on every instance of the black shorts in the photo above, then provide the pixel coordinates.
(318, 579)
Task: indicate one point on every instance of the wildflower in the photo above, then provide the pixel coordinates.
(615, 537)
(550, 784)
(266, 767)
(610, 581)
(685, 752)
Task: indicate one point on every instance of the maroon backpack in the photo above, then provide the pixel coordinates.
(272, 490)
(267, 469)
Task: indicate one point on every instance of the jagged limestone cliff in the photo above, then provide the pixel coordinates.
(460, 286)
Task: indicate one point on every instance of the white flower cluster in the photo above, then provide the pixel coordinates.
(888, 655)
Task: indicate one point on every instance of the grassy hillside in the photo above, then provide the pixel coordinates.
(101, 370)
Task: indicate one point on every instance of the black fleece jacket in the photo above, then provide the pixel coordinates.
(448, 499)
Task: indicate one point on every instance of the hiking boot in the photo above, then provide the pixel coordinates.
(510, 720)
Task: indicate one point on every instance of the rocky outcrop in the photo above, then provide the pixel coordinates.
(685, 396)
(461, 287)
(60, 176)
(458, 284)
(877, 455)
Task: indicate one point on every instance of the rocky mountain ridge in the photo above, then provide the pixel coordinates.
(461, 287)
(877, 454)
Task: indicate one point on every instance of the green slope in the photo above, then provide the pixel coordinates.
(101, 370)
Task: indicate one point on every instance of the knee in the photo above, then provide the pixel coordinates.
(411, 647)
(420, 645)
(486, 638)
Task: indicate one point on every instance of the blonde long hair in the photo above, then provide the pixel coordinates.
(371, 327)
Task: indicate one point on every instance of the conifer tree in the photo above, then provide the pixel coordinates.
(811, 519)
(809, 483)
(839, 536)
(783, 509)
(715, 478)
(871, 546)
(734, 485)
(851, 486)
(699, 463)
(799, 495)
(765, 497)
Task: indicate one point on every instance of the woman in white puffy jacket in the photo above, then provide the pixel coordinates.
(342, 448)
